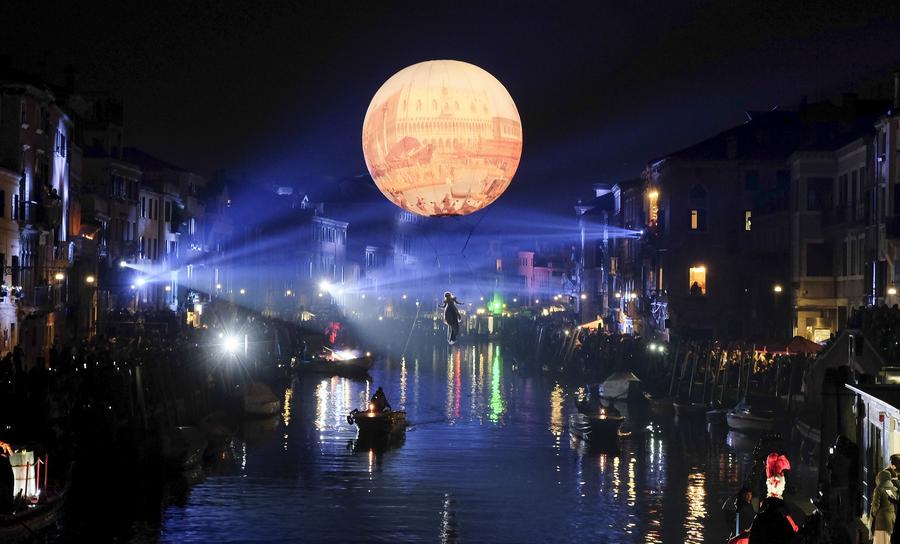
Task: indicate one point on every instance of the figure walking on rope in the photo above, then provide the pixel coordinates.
(451, 316)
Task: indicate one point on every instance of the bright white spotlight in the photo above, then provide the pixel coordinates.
(140, 282)
(122, 264)
(231, 344)
(324, 285)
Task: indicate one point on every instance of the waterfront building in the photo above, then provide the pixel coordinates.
(36, 142)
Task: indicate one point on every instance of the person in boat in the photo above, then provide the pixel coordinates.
(451, 316)
(739, 511)
(773, 524)
(380, 402)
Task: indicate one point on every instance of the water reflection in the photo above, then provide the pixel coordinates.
(696, 501)
(482, 468)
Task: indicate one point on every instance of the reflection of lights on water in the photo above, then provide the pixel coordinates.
(616, 480)
(449, 406)
(696, 514)
(403, 381)
(286, 410)
(557, 397)
(371, 461)
(498, 406)
(243, 456)
(458, 386)
(321, 404)
(632, 488)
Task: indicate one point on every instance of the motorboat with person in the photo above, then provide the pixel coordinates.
(342, 362)
(379, 420)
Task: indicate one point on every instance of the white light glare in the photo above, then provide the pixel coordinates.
(231, 344)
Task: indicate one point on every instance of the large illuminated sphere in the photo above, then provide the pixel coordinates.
(442, 137)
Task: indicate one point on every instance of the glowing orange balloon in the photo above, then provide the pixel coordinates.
(442, 137)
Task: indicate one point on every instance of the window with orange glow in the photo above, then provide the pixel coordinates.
(697, 280)
(653, 207)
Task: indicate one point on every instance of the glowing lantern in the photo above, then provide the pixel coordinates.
(24, 474)
(442, 137)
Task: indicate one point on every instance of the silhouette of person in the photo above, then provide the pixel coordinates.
(451, 316)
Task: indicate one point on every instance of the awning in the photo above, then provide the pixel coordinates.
(592, 325)
(799, 344)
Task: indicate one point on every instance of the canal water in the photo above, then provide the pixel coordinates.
(488, 459)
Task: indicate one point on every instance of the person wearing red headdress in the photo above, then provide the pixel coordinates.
(773, 524)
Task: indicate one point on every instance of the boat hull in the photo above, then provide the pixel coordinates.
(371, 424)
(745, 422)
(350, 367)
(595, 429)
(684, 409)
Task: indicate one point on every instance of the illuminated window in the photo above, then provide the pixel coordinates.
(499, 265)
(697, 280)
(747, 223)
(695, 219)
(653, 207)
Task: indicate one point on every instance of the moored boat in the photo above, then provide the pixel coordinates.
(689, 409)
(620, 386)
(716, 416)
(596, 429)
(751, 418)
(40, 500)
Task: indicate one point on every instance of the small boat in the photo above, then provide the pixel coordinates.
(338, 363)
(25, 521)
(689, 409)
(597, 429)
(373, 424)
(716, 416)
(659, 405)
(751, 418)
(259, 400)
(620, 386)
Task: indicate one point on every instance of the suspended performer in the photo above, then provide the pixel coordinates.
(451, 316)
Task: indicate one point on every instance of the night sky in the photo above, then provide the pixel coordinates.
(277, 91)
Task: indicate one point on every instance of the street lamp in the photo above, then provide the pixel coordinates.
(892, 290)
(168, 288)
(218, 286)
(777, 288)
(122, 263)
(287, 293)
(59, 276)
(583, 296)
(89, 279)
(243, 291)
